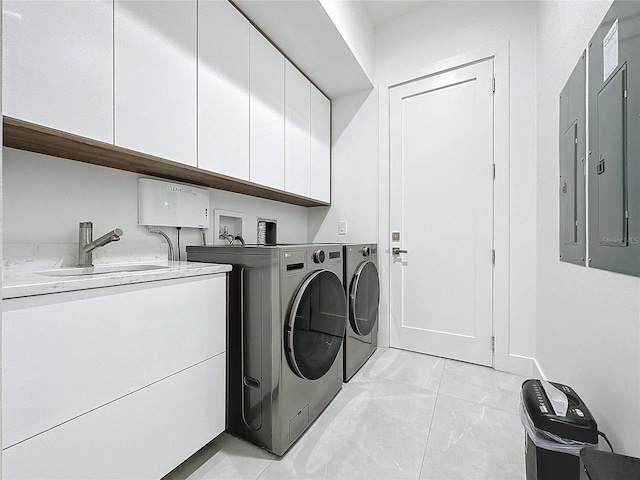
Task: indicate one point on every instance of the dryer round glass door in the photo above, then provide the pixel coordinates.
(364, 296)
(316, 325)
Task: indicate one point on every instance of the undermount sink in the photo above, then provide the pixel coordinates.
(99, 269)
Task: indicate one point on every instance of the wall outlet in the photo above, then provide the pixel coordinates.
(342, 227)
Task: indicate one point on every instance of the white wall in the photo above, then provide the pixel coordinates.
(46, 197)
(588, 320)
(406, 48)
(355, 27)
(354, 168)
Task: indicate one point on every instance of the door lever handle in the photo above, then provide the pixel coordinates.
(397, 251)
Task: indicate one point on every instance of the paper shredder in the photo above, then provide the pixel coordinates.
(558, 426)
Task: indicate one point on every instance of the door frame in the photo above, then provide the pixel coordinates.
(470, 337)
(502, 358)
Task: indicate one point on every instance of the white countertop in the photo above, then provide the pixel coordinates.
(25, 281)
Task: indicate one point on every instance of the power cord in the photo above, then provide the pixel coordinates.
(606, 440)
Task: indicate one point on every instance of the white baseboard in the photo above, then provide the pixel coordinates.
(518, 365)
(539, 373)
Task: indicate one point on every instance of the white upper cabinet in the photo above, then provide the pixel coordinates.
(267, 113)
(58, 65)
(320, 146)
(189, 81)
(297, 141)
(223, 89)
(155, 78)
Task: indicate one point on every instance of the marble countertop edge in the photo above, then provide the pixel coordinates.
(24, 281)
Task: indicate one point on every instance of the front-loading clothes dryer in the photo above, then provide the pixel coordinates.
(286, 324)
(362, 287)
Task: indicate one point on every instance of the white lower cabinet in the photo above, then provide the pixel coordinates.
(143, 435)
(115, 382)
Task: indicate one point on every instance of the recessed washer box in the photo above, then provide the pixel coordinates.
(166, 204)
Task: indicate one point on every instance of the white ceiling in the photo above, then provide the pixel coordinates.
(382, 11)
(308, 37)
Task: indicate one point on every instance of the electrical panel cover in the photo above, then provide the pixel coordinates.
(572, 133)
(614, 141)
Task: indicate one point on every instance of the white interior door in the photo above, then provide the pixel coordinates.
(441, 204)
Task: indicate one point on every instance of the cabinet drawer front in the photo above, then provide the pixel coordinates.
(143, 435)
(68, 353)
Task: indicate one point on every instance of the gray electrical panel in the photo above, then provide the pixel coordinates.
(614, 141)
(573, 131)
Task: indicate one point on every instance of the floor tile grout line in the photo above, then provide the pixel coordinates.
(444, 366)
(433, 414)
(265, 469)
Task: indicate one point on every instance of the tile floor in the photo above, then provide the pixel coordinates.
(402, 416)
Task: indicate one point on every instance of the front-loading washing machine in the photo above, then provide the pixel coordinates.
(362, 287)
(286, 324)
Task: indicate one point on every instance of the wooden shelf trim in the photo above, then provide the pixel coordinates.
(48, 141)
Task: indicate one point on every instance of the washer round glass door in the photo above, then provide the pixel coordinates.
(316, 325)
(364, 296)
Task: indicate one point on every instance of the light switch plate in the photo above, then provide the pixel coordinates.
(342, 228)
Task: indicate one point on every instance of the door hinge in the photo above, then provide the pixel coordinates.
(493, 256)
(493, 86)
(493, 344)
(494, 171)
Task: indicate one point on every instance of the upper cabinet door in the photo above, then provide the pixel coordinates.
(223, 89)
(267, 113)
(320, 146)
(155, 78)
(58, 65)
(297, 143)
